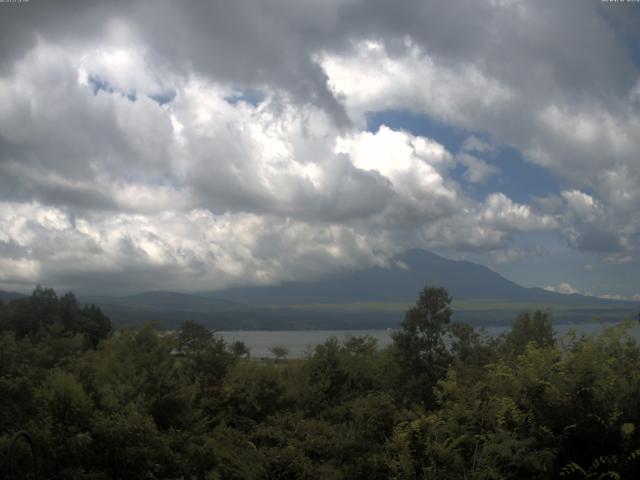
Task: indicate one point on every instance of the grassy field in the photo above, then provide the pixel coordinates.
(476, 311)
(457, 305)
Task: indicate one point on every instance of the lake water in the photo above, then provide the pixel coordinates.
(300, 342)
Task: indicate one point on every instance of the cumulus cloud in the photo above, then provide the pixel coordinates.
(512, 254)
(630, 298)
(114, 185)
(193, 249)
(370, 78)
(477, 170)
(557, 114)
(563, 287)
(484, 227)
(131, 150)
(200, 249)
(475, 144)
(502, 212)
(595, 226)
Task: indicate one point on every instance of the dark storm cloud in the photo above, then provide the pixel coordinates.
(569, 45)
(596, 240)
(12, 250)
(19, 188)
(248, 43)
(21, 24)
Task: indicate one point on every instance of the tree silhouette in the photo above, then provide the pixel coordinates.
(419, 344)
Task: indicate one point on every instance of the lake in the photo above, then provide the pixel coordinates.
(300, 342)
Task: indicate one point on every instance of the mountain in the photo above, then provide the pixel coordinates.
(169, 309)
(159, 300)
(375, 297)
(8, 296)
(480, 294)
(401, 281)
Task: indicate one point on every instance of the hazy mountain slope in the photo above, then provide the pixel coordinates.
(401, 282)
(8, 296)
(159, 300)
(371, 298)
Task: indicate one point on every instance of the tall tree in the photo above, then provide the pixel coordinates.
(419, 345)
(536, 328)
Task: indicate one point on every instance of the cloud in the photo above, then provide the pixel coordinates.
(629, 298)
(564, 288)
(591, 225)
(573, 114)
(475, 144)
(478, 171)
(488, 226)
(109, 187)
(192, 249)
(415, 168)
(127, 156)
(512, 254)
(501, 212)
(197, 249)
(370, 78)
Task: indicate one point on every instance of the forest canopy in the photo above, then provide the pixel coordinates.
(443, 401)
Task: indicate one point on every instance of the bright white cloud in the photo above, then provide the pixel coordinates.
(595, 226)
(193, 249)
(563, 287)
(478, 171)
(370, 78)
(502, 212)
(631, 298)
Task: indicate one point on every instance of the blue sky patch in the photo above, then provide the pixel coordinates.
(251, 96)
(164, 97)
(99, 84)
(518, 179)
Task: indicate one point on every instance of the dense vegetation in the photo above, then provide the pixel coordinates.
(442, 402)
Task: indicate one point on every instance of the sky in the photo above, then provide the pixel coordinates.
(197, 145)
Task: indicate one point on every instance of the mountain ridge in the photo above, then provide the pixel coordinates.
(407, 275)
(7, 296)
(374, 297)
(378, 296)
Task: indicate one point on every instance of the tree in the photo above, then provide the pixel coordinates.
(193, 337)
(44, 315)
(470, 347)
(536, 328)
(206, 354)
(240, 349)
(419, 345)
(94, 324)
(279, 351)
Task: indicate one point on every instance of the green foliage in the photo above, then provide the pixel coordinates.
(279, 351)
(44, 315)
(443, 402)
(340, 371)
(193, 337)
(419, 345)
(536, 328)
(240, 349)
(252, 393)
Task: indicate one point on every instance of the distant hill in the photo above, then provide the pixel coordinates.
(169, 309)
(480, 294)
(161, 300)
(375, 297)
(402, 280)
(8, 296)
